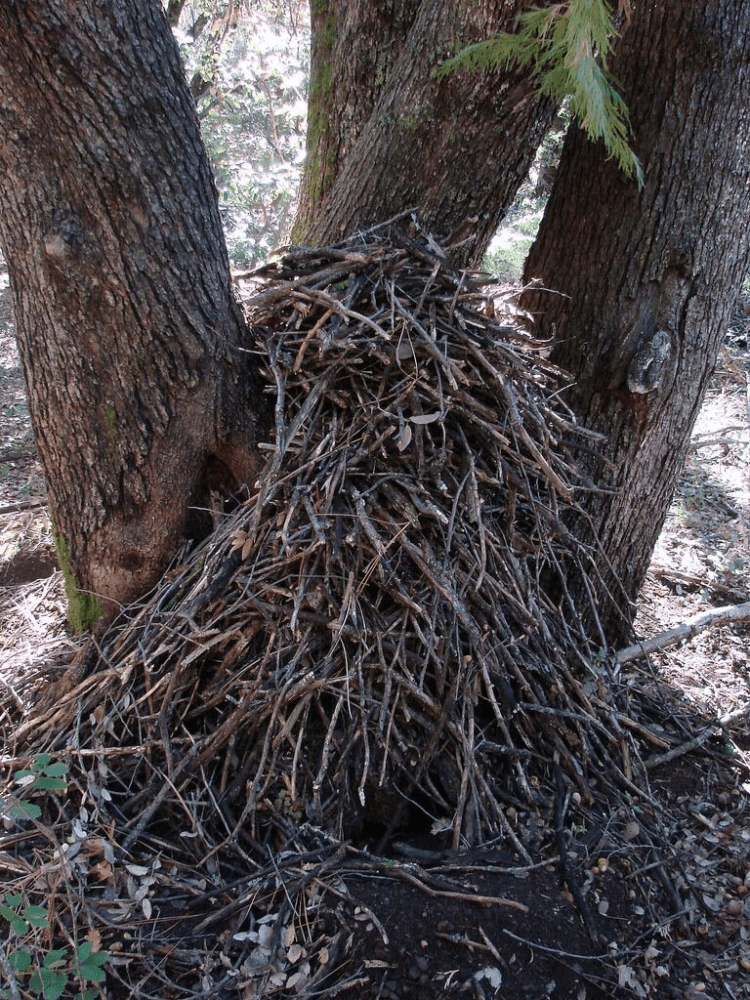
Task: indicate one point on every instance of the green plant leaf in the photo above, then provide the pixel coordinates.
(35, 983)
(83, 951)
(19, 960)
(50, 784)
(13, 898)
(93, 974)
(58, 770)
(48, 982)
(56, 957)
(24, 810)
(89, 963)
(567, 45)
(37, 916)
(18, 925)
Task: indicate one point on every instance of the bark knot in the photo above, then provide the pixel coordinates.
(646, 370)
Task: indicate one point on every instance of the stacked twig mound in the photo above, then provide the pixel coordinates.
(366, 642)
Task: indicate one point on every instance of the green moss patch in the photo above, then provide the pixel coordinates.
(84, 610)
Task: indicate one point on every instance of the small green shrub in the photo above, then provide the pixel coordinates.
(43, 974)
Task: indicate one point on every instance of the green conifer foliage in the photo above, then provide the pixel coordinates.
(567, 44)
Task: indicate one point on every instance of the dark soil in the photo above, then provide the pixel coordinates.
(442, 947)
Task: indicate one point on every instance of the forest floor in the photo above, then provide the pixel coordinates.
(485, 925)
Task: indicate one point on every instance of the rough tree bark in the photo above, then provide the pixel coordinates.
(128, 331)
(174, 9)
(385, 136)
(353, 48)
(648, 278)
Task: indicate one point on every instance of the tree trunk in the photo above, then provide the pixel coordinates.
(174, 9)
(385, 136)
(354, 45)
(127, 327)
(648, 278)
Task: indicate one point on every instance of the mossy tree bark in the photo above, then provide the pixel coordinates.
(385, 136)
(128, 331)
(648, 278)
(353, 48)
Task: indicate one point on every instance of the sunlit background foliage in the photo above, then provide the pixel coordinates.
(247, 62)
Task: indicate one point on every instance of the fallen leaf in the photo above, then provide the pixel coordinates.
(265, 936)
(493, 976)
(242, 540)
(295, 953)
(300, 979)
(626, 977)
(425, 418)
(404, 438)
(94, 938)
(136, 869)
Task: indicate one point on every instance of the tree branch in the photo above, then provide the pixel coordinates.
(686, 630)
(722, 723)
(14, 508)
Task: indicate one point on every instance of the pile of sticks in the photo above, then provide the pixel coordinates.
(380, 634)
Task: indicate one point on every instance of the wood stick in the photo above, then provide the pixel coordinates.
(731, 614)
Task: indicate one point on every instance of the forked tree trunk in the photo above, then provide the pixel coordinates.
(353, 48)
(648, 279)
(127, 327)
(384, 135)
